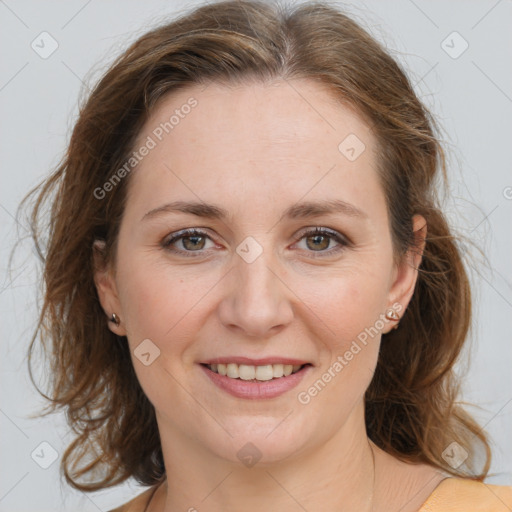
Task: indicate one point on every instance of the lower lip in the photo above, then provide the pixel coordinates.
(256, 390)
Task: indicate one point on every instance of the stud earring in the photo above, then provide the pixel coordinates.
(115, 319)
(391, 314)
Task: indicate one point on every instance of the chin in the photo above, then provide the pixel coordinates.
(262, 440)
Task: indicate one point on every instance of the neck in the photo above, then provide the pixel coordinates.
(336, 475)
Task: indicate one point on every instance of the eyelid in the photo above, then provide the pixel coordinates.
(184, 233)
(311, 230)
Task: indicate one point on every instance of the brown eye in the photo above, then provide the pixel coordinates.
(319, 240)
(192, 241)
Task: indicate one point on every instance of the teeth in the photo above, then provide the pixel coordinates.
(278, 370)
(248, 372)
(232, 371)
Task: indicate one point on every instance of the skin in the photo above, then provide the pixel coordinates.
(256, 149)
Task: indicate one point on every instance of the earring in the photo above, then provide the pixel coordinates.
(115, 319)
(391, 314)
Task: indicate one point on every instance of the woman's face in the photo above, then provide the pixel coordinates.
(256, 285)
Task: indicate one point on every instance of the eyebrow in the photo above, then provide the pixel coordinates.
(305, 209)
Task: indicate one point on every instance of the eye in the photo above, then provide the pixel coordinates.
(319, 239)
(192, 240)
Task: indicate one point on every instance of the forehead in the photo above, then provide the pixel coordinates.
(283, 112)
(253, 141)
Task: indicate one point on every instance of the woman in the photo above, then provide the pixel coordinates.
(252, 297)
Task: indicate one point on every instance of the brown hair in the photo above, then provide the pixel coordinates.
(411, 408)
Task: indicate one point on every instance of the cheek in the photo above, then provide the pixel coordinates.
(350, 321)
(160, 301)
(165, 305)
(346, 304)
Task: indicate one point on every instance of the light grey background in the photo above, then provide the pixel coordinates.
(470, 94)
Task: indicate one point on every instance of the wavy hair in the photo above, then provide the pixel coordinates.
(411, 404)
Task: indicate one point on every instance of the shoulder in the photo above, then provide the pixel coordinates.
(454, 494)
(137, 504)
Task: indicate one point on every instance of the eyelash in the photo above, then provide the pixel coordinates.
(342, 241)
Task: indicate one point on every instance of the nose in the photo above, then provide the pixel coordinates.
(257, 301)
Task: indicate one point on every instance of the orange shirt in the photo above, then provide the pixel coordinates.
(463, 495)
(451, 495)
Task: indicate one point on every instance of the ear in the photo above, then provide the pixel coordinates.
(106, 288)
(406, 272)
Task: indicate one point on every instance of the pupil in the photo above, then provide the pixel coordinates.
(194, 243)
(316, 239)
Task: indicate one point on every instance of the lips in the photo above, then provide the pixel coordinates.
(256, 389)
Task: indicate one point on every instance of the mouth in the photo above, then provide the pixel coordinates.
(255, 381)
(255, 373)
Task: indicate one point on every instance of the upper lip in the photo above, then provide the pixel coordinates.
(255, 362)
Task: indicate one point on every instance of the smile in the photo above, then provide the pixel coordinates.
(255, 382)
(258, 373)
